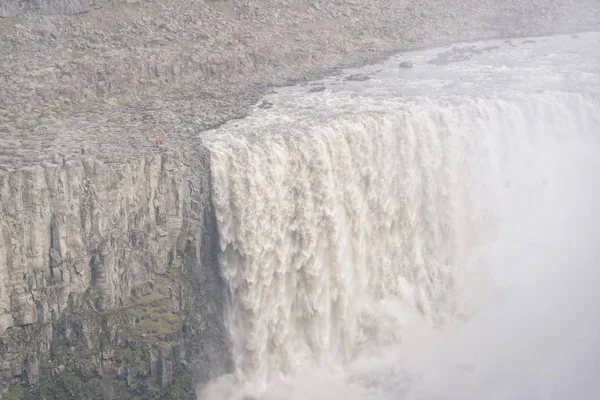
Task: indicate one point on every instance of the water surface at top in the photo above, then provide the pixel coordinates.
(502, 68)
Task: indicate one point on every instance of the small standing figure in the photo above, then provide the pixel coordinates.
(159, 140)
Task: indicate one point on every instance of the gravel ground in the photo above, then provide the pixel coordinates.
(113, 79)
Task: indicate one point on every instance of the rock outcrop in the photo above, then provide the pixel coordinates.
(109, 277)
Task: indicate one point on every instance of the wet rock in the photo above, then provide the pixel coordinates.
(448, 57)
(457, 54)
(490, 48)
(358, 77)
(265, 105)
(406, 64)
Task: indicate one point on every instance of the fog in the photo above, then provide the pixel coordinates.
(538, 337)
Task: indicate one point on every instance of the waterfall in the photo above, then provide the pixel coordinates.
(423, 234)
(340, 235)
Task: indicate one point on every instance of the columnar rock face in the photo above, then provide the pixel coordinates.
(100, 266)
(68, 228)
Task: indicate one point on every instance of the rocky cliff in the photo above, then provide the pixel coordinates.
(108, 277)
(109, 283)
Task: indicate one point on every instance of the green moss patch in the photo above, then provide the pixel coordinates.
(153, 319)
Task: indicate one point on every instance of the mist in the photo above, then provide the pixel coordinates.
(538, 336)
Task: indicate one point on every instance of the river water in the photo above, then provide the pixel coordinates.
(417, 233)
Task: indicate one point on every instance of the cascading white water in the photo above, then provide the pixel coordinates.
(341, 233)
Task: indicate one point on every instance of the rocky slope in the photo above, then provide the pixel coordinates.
(109, 285)
(11, 8)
